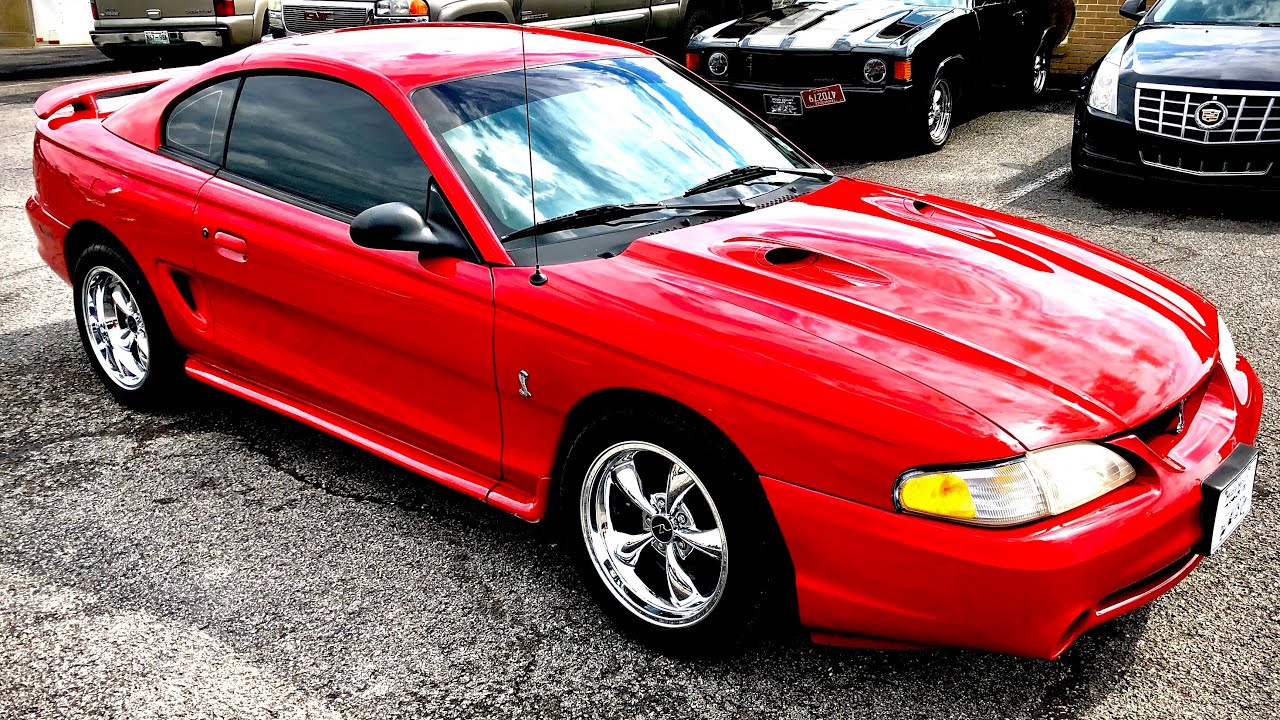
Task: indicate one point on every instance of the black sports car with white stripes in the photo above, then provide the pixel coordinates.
(1192, 94)
(906, 62)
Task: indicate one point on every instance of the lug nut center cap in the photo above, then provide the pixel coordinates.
(662, 528)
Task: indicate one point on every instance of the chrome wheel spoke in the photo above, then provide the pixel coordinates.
(679, 584)
(627, 479)
(710, 542)
(679, 483)
(122, 305)
(626, 548)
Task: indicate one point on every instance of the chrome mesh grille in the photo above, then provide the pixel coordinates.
(315, 18)
(1170, 111)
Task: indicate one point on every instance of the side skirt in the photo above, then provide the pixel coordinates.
(384, 446)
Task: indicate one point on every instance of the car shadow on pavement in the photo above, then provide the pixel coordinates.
(880, 138)
(319, 563)
(1154, 206)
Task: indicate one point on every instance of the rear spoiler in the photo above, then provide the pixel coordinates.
(82, 96)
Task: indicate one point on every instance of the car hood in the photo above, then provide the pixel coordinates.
(1049, 337)
(1240, 56)
(837, 25)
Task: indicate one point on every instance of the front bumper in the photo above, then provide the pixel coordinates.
(1108, 144)
(869, 577)
(860, 103)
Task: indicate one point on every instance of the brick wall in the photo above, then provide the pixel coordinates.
(1098, 26)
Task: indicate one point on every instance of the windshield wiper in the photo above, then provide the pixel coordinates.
(600, 214)
(747, 173)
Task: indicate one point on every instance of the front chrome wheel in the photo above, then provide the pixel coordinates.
(654, 534)
(1039, 73)
(115, 328)
(941, 105)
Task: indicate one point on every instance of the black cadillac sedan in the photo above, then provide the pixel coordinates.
(1191, 94)
(905, 63)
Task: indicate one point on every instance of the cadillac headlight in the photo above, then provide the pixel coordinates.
(1036, 485)
(1105, 90)
(402, 8)
(275, 5)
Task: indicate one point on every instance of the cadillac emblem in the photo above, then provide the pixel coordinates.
(1211, 115)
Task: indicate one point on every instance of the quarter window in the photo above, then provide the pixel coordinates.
(197, 126)
(325, 142)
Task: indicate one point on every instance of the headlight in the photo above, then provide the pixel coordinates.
(274, 5)
(1104, 93)
(874, 71)
(718, 64)
(402, 8)
(1040, 483)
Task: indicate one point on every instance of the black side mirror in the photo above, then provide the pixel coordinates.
(1134, 9)
(396, 226)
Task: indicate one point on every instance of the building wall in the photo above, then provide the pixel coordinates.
(1098, 27)
(16, 26)
(61, 22)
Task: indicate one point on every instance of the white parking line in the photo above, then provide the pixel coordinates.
(1029, 188)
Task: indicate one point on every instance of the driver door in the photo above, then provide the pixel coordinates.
(390, 342)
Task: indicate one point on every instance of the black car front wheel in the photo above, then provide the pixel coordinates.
(1039, 74)
(931, 128)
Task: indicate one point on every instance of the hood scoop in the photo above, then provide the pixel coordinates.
(798, 263)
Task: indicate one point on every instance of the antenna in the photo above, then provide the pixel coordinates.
(537, 278)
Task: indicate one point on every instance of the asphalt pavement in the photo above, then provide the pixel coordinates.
(220, 561)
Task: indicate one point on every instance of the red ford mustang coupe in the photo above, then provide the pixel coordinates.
(565, 277)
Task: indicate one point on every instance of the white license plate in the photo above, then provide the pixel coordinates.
(157, 37)
(783, 105)
(1234, 502)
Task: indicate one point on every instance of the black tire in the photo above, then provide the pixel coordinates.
(921, 131)
(755, 570)
(164, 360)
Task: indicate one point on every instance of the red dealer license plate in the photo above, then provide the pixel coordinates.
(817, 97)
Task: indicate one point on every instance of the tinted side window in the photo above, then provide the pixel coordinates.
(325, 142)
(197, 125)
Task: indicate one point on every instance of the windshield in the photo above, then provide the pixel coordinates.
(630, 130)
(1228, 12)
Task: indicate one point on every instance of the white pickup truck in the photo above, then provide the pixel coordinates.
(151, 31)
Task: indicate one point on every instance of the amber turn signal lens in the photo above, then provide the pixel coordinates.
(693, 61)
(943, 494)
(418, 7)
(902, 70)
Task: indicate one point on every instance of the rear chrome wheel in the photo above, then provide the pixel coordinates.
(654, 534)
(115, 328)
(122, 329)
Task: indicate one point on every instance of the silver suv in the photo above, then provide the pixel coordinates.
(633, 20)
(157, 30)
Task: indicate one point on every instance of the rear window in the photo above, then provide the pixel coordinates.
(197, 126)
